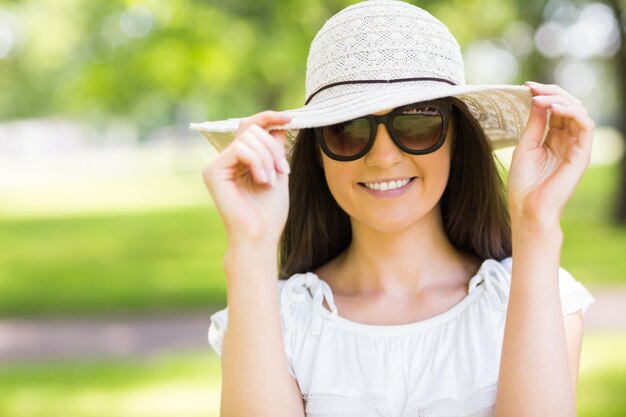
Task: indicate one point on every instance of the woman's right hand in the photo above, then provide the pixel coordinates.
(249, 181)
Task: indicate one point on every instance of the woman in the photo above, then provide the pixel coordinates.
(406, 289)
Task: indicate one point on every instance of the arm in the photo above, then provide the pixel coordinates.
(255, 379)
(249, 184)
(539, 363)
(535, 375)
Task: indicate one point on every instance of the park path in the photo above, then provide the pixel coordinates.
(28, 340)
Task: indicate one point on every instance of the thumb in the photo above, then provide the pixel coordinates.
(535, 128)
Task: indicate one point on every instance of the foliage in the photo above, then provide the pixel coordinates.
(173, 258)
(160, 62)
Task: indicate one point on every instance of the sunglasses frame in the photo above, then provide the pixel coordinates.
(443, 105)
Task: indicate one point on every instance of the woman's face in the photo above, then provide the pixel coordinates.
(393, 209)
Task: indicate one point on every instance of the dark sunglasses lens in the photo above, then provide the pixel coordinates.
(418, 128)
(347, 138)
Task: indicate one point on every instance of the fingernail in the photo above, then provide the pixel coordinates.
(272, 177)
(264, 177)
(284, 165)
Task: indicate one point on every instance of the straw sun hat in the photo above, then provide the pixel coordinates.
(381, 54)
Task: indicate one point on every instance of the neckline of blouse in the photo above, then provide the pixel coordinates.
(490, 272)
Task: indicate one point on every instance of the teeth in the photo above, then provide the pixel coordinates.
(384, 186)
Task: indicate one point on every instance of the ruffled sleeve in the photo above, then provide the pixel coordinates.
(574, 295)
(219, 323)
(217, 327)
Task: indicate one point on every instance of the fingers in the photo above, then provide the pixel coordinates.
(275, 144)
(545, 101)
(552, 93)
(533, 134)
(552, 90)
(568, 112)
(263, 119)
(555, 102)
(263, 153)
(582, 124)
(249, 157)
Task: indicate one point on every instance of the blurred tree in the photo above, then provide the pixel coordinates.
(536, 13)
(161, 62)
(619, 8)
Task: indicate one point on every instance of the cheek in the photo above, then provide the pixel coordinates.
(436, 180)
(338, 180)
(331, 180)
(437, 174)
(340, 177)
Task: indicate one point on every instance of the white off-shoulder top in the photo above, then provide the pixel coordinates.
(446, 365)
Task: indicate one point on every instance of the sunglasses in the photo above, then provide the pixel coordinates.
(417, 129)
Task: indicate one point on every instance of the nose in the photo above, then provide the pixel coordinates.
(384, 152)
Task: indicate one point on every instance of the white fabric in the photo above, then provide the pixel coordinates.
(446, 365)
(387, 40)
(380, 40)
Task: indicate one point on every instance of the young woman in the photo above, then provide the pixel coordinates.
(410, 283)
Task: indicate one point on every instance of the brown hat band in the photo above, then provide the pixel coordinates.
(399, 80)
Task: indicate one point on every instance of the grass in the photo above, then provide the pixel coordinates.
(188, 385)
(172, 259)
(151, 260)
(593, 248)
(185, 384)
(602, 379)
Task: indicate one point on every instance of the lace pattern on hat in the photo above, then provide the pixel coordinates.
(382, 42)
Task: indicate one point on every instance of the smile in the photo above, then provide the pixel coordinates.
(387, 185)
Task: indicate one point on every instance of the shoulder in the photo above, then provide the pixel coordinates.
(294, 294)
(497, 275)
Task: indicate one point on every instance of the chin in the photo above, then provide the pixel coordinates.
(395, 219)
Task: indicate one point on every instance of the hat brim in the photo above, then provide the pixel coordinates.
(501, 110)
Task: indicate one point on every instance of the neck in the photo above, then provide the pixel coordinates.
(402, 262)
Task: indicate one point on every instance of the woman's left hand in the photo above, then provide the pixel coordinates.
(542, 176)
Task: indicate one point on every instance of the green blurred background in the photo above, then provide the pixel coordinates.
(102, 206)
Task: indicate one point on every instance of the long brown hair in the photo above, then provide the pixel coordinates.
(473, 205)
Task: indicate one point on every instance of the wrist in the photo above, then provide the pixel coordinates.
(523, 229)
(533, 220)
(249, 256)
(238, 244)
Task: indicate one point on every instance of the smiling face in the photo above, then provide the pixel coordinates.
(388, 189)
